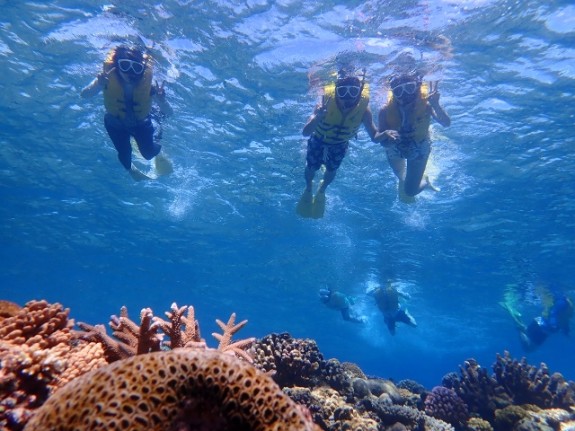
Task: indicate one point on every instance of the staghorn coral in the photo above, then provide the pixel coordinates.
(443, 403)
(132, 339)
(181, 389)
(526, 384)
(182, 331)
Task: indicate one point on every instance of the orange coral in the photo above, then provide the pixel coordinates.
(180, 389)
(37, 356)
(8, 309)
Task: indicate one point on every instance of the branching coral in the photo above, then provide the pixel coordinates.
(181, 389)
(182, 331)
(38, 356)
(527, 384)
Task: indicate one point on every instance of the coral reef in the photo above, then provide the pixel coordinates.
(181, 389)
(526, 384)
(38, 356)
(292, 362)
(131, 339)
(443, 403)
(160, 374)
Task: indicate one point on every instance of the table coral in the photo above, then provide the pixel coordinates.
(182, 389)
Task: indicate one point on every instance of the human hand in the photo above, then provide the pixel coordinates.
(387, 137)
(433, 96)
(160, 90)
(103, 77)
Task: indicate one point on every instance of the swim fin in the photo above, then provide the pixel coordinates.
(305, 205)
(318, 207)
(430, 185)
(163, 165)
(138, 175)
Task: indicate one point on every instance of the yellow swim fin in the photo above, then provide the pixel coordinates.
(305, 204)
(163, 165)
(138, 175)
(318, 207)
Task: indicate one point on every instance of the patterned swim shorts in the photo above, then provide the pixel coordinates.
(330, 155)
(409, 149)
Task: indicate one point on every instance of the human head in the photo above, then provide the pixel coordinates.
(130, 62)
(405, 87)
(348, 90)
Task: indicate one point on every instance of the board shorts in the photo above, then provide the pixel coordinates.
(330, 155)
(408, 149)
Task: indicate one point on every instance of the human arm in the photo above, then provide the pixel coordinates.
(388, 136)
(437, 111)
(317, 116)
(159, 95)
(96, 85)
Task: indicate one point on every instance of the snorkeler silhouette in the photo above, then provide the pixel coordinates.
(555, 317)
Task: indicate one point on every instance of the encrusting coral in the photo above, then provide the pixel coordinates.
(182, 389)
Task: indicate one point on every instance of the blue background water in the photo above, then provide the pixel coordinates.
(221, 232)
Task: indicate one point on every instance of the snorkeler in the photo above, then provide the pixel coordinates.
(336, 119)
(556, 316)
(126, 81)
(387, 300)
(343, 303)
(406, 118)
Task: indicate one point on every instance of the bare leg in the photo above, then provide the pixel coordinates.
(414, 180)
(398, 166)
(308, 175)
(328, 177)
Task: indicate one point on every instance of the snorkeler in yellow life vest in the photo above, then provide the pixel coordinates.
(405, 120)
(126, 81)
(344, 107)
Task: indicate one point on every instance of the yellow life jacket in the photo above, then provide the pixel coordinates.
(418, 128)
(115, 99)
(336, 127)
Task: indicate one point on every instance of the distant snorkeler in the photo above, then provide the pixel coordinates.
(556, 317)
(336, 119)
(405, 121)
(387, 300)
(126, 81)
(341, 302)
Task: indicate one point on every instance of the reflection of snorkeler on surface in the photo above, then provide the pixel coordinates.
(342, 302)
(387, 300)
(556, 316)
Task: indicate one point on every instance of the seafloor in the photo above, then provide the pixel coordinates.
(153, 373)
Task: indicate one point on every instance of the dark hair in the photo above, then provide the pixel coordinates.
(348, 80)
(396, 80)
(131, 53)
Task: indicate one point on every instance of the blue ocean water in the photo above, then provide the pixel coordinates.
(221, 232)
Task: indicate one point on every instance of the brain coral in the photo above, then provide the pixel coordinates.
(182, 390)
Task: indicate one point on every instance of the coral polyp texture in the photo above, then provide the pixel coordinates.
(181, 389)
